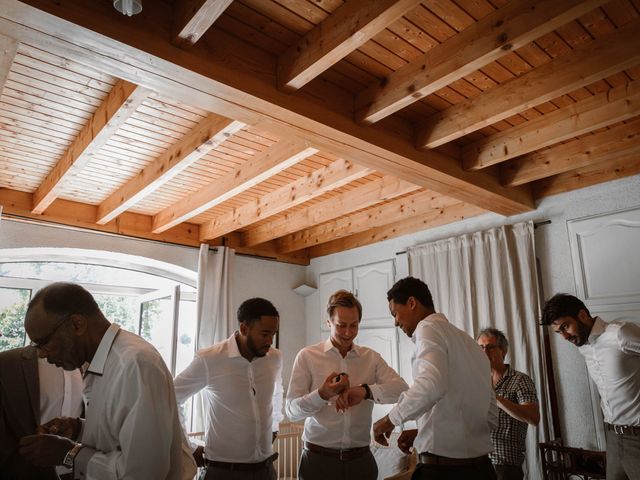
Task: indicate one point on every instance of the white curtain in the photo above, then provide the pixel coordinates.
(214, 304)
(489, 279)
(214, 307)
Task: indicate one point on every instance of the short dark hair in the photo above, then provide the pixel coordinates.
(410, 287)
(343, 298)
(501, 338)
(562, 305)
(63, 298)
(251, 310)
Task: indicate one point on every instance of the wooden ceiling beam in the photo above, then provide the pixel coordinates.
(617, 142)
(596, 173)
(82, 215)
(121, 102)
(193, 18)
(8, 50)
(584, 65)
(347, 28)
(266, 251)
(420, 203)
(601, 110)
(494, 36)
(374, 192)
(76, 215)
(333, 176)
(272, 161)
(437, 217)
(207, 135)
(243, 89)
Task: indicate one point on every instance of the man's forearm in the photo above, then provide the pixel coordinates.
(525, 412)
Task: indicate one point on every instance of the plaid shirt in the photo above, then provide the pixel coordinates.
(509, 438)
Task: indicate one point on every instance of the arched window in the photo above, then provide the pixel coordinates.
(151, 298)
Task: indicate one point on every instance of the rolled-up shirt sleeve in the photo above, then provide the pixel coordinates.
(301, 401)
(430, 377)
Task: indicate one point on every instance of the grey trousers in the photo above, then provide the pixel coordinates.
(314, 466)
(217, 473)
(623, 456)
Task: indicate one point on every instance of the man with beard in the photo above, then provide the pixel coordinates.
(242, 382)
(612, 353)
(132, 428)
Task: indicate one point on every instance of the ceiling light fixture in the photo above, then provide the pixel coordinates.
(128, 7)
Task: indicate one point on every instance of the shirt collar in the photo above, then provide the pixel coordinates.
(328, 346)
(599, 326)
(232, 343)
(100, 357)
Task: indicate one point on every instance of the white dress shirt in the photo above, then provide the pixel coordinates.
(132, 429)
(451, 397)
(323, 425)
(612, 353)
(60, 391)
(243, 398)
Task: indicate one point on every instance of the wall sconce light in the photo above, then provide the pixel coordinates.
(128, 7)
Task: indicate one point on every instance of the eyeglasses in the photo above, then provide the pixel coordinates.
(42, 344)
(488, 347)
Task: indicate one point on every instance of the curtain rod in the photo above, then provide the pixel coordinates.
(535, 225)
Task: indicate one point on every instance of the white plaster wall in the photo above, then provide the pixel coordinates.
(252, 277)
(553, 251)
(275, 281)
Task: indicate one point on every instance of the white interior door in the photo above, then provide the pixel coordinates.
(371, 284)
(329, 283)
(606, 265)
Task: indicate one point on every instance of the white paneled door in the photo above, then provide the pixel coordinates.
(606, 263)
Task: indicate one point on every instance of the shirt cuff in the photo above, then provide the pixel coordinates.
(316, 400)
(376, 393)
(395, 417)
(81, 462)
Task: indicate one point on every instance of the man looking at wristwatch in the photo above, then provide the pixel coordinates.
(132, 429)
(337, 407)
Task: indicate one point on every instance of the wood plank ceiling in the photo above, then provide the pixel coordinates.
(297, 128)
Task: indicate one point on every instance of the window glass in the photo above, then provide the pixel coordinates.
(156, 325)
(120, 309)
(13, 307)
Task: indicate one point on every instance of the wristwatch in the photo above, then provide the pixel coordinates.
(368, 395)
(70, 457)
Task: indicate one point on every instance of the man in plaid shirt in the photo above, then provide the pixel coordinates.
(518, 403)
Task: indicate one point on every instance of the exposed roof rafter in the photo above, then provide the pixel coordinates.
(496, 35)
(207, 135)
(123, 99)
(583, 66)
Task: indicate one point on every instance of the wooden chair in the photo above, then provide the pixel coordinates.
(564, 463)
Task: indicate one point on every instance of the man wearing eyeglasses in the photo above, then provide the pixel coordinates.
(132, 429)
(32, 391)
(518, 403)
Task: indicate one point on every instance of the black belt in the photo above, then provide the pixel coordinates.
(242, 467)
(345, 454)
(623, 429)
(433, 459)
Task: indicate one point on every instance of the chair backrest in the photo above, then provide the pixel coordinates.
(563, 463)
